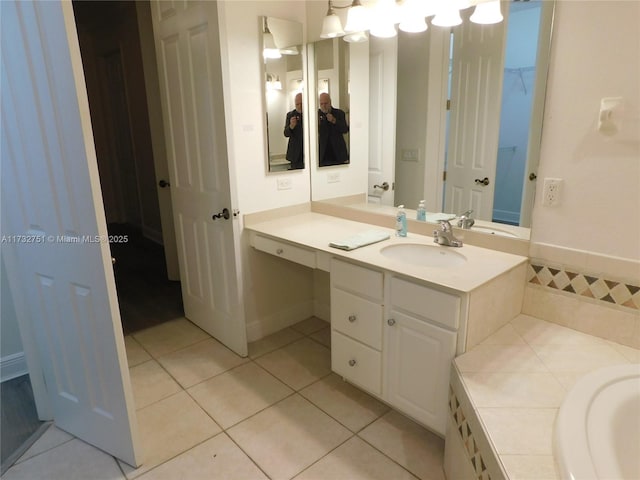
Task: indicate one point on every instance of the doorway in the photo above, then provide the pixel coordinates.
(110, 47)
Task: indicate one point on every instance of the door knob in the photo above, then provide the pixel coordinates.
(384, 186)
(223, 214)
(532, 176)
(484, 181)
(163, 183)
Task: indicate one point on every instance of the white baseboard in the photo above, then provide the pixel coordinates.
(258, 329)
(12, 366)
(153, 235)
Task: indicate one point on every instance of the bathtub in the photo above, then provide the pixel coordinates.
(597, 431)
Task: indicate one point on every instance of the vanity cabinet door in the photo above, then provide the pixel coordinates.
(417, 360)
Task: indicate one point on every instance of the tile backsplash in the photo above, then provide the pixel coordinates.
(592, 299)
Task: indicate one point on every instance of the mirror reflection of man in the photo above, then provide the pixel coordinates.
(293, 130)
(332, 125)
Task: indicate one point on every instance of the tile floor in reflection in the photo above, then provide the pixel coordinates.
(205, 413)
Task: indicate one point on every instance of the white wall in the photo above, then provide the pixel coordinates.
(595, 53)
(255, 188)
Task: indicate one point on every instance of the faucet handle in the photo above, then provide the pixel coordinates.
(445, 225)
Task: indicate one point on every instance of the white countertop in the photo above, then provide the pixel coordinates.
(316, 231)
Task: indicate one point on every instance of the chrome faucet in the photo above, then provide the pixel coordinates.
(465, 221)
(444, 236)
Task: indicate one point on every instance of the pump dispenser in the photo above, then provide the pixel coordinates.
(421, 212)
(401, 222)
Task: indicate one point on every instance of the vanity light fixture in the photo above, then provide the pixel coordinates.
(273, 82)
(380, 17)
(269, 48)
(487, 13)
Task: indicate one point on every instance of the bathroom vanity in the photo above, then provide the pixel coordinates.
(397, 321)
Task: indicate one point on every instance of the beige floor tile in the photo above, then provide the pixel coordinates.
(412, 446)
(273, 342)
(135, 353)
(216, 459)
(355, 460)
(53, 437)
(170, 427)
(323, 336)
(150, 383)
(298, 364)
(239, 393)
(170, 336)
(199, 362)
(288, 437)
(73, 460)
(310, 325)
(349, 405)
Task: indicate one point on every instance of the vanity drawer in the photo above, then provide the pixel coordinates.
(356, 279)
(425, 302)
(356, 317)
(359, 364)
(285, 250)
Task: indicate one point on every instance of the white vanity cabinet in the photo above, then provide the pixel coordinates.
(419, 345)
(356, 324)
(394, 338)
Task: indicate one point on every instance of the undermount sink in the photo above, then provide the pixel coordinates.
(424, 255)
(493, 231)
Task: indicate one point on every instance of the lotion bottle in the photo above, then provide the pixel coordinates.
(401, 222)
(421, 212)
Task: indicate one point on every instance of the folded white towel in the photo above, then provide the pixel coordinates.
(360, 240)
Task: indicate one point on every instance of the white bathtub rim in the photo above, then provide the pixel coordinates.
(572, 448)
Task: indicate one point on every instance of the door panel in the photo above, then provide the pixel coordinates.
(476, 86)
(188, 46)
(53, 216)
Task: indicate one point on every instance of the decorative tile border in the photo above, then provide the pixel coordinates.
(614, 292)
(468, 440)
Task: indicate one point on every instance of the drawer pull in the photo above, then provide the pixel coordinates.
(352, 318)
(391, 322)
(352, 362)
(280, 251)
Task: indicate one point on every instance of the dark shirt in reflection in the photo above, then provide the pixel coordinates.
(295, 147)
(332, 148)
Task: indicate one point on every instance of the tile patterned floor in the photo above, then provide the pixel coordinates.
(278, 414)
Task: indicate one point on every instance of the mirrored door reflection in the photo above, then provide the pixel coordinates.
(283, 89)
(332, 80)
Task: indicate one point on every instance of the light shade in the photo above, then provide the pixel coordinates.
(487, 13)
(448, 15)
(412, 18)
(385, 15)
(269, 49)
(357, 18)
(356, 37)
(331, 26)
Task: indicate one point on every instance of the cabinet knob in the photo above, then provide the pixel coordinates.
(280, 251)
(352, 318)
(352, 362)
(391, 322)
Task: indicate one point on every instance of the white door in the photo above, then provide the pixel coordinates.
(383, 68)
(476, 87)
(418, 356)
(187, 47)
(54, 229)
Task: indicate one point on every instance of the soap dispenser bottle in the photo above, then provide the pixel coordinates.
(401, 222)
(421, 212)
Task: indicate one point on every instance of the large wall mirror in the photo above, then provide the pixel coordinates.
(282, 57)
(332, 99)
(431, 68)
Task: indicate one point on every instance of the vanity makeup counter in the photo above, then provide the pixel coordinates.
(314, 231)
(396, 326)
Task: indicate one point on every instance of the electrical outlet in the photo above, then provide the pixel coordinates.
(333, 177)
(552, 192)
(284, 183)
